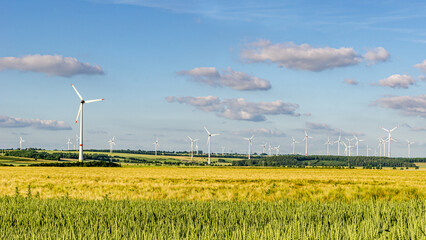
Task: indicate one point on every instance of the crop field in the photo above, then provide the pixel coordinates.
(215, 183)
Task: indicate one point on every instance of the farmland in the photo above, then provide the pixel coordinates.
(216, 183)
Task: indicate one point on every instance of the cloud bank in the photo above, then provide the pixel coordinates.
(421, 66)
(238, 108)
(327, 129)
(351, 81)
(306, 57)
(11, 122)
(229, 78)
(397, 81)
(260, 132)
(407, 105)
(51, 65)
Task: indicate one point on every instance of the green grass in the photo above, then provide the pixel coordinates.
(34, 218)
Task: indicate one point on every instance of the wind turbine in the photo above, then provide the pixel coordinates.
(156, 144)
(249, 145)
(196, 148)
(209, 141)
(192, 147)
(349, 145)
(409, 148)
(223, 150)
(21, 140)
(293, 142)
(328, 143)
(338, 143)
(80, 114)
(277, 150)
(368, 149)
(111, 144)
(357, 143)
(306, 139)
(68, 143)
(346, 148)
(264, 147)
(76, 142)
(389, 138)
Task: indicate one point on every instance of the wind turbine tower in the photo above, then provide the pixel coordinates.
(389, 138)
(249, 145)
(111, 144)
(409, 148)
(80, 114)
(306, 141)
(293, 142)
(338, 141)
(68, 143)
(21, 140)
(156, 144)
(209, 142)
(328, 143)
(192, 146)
(357, 143)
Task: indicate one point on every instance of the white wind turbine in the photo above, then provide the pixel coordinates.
(349, 145)
(293, 142)
(269, 149)
(346, 148)
(382, 146)
(68, 143)
(80, 114)
(111, 144)
(338, 141)
(249, 145)
(357, 143)
(196, 148)
(264, 147)
(328, 143)
(277, 150)
(21, 140)
(306, 140)
(192, 146)
(368, 149)
(389, 138)
(409, 148)
(156, 144)
(209, 142)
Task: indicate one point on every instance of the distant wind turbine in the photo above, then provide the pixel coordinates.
(409, 148)
(209, 142)
(156, 144)
(357, 143)
(264, 147)
(328, 143)
(249, 145)
(293, 142)
(192, 146)
(306, 140)
(389, 138)
(349, 145)
(21, 140)
(277, 150)
(80, 114)
(68, 143)
(338, 141)
(111, 144)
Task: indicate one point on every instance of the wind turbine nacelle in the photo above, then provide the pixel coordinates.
(82, 101)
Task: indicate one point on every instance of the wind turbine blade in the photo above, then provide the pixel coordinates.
(216, 134)
(190, 138)
(195, 140)
(207, 130)
(385, 129)
(394, 128)
(79, 111)
(81, 98)
(252, 137)
(95, 100)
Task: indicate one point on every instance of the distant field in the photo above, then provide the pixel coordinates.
(215, 183)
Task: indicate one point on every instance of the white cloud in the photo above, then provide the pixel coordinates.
(236, 80)
(421, 66)
(327, 129)
(51, 65)
(351, 81)
(376, 55)
(238, 108)
(11, 122)
(407, 105)
(397, 81)
(306, 57)
(302, 57)
(260, 132)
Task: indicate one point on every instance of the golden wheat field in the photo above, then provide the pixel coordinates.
(209, 183)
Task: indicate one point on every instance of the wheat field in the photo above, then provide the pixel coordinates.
(214, 183)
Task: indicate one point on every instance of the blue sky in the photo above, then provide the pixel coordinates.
(167, 68)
